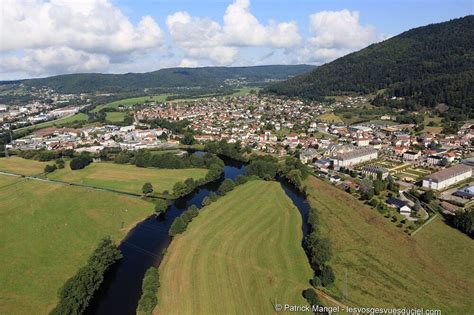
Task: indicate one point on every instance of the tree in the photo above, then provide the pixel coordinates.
(226, 186)
(147, 188)
(241, 179)
(50, 168)
(60, 163)
(161, 206)
(178, 226)
(427, 196)
(206, 201)
(311, 296)
(188, 139)
(327, 276)
(76, 164)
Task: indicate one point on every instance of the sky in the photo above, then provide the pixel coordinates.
(40, 38)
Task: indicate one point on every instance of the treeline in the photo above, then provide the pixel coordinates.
(232, 150)
(75, 295)
(146, 158)
(463, 221)
(319, 252)
(150, 285)
(268, 168)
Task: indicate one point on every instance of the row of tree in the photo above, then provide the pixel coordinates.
(319, 252)
(75, 295)
(150, 284)
(232, 150)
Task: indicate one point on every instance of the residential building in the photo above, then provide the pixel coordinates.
(308, 155)
(355, 157)
(411, 155)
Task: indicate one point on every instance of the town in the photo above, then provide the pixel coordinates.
(340, 153)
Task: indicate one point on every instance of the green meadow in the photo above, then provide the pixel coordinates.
(241, 254)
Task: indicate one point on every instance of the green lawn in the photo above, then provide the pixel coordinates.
(115, 116)
(240, 255)
(129, 102)
(127, 178)
(47, 233)
(18, 165)
(329, 117)
(387, 268)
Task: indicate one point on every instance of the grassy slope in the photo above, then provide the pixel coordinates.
(21, 166)
(239, 255)
(48, 231)
(388, 268)
(128, 178)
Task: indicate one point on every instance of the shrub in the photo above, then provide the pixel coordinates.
(50, 168)
(316, 282)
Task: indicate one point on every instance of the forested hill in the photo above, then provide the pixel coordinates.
(206, 77)
(431, 64)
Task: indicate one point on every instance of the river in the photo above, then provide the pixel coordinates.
(144, 245)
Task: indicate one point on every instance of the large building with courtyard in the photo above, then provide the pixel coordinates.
(354, 157)
(447, 177)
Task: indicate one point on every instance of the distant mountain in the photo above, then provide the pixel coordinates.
(208, 77)
(431, 64)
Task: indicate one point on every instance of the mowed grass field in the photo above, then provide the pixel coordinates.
(48, 231)
(18, 165)
(127, 178)
(115, 116)
(387, 268)
(240, 255)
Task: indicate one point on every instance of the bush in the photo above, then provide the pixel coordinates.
(213, 196)
(150, 284)
(241, 179)
(80, 162)
(206, 201)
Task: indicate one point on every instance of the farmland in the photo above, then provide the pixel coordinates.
(48, 232)
(245, 249)
(58, 122)
(126, 178)
(130, 102)
(387, 268)
(17, 165)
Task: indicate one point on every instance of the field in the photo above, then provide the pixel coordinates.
(240, 255)
(437, 128)
(127, 178)
(48, 231)
(115, 116)
(129, 102)
(387, 268)
(329, 117)
(57, 122)
(18, 165)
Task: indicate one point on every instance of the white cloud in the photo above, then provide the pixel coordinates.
(334, 34)
(206, 40)
(90, 30)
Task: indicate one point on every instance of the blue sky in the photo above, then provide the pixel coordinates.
(47, 37)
